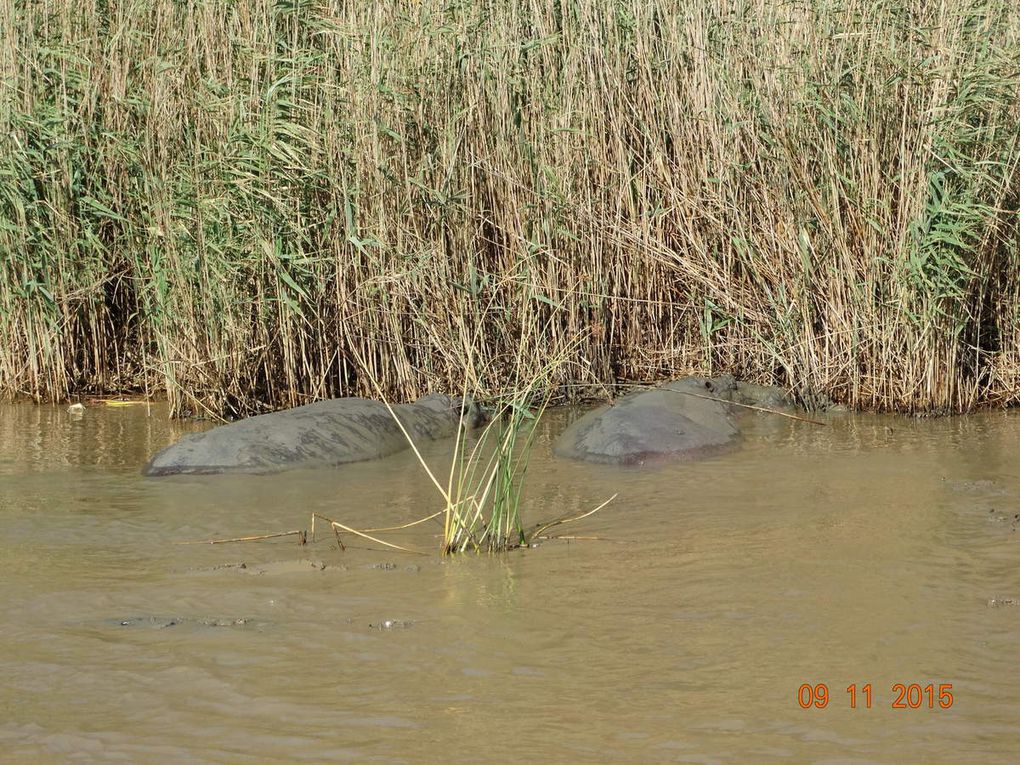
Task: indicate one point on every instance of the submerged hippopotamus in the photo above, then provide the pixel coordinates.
(322, 434)
(669, 422)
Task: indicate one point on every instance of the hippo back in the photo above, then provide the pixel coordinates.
(325, 433)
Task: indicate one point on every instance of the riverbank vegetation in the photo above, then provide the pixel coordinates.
(233, 202)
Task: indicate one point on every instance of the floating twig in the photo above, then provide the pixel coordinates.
(572, 537)
(560, 521)
(333, 525)
(337, 525)
(412, 523)
(748, 406)
(299, 532)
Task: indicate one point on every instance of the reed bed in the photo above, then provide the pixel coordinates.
(253, 204)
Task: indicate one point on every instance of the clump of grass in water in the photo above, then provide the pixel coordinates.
(484, 492)
(482, 495)
(486, 483)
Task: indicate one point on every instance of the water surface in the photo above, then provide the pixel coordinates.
(679, 630)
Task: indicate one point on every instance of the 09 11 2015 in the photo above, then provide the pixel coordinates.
(902, 696)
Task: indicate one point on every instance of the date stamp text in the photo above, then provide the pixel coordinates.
(901, 696)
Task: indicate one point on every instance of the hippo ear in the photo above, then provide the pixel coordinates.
(709, 385)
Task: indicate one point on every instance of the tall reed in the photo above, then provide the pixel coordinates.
(231, 201)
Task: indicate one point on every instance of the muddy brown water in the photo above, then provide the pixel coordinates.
(864, 552)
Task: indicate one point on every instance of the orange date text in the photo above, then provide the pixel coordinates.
(902, 696)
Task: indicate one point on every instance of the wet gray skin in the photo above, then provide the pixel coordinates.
(322, 434)
(667, 422)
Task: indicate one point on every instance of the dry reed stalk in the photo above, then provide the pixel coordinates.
(232, 202)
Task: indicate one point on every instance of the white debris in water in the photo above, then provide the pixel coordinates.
(998, 602)
(391, 624)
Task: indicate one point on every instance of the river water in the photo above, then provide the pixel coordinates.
(873, 550)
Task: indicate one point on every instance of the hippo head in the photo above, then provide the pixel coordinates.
(722, 386)
(473, 414)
